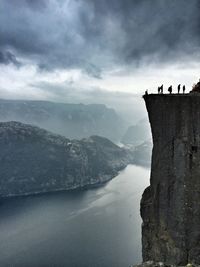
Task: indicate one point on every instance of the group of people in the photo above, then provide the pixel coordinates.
(160, 89)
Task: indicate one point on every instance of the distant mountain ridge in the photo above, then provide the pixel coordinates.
(34, 160)
(137, 134)
(71, 120)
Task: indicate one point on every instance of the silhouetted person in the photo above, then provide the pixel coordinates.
(146, 92)
(179, 88)
(170, 89)
(183, 89)
(161, 89)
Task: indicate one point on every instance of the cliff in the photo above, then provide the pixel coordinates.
(170, 206)
(34, 160)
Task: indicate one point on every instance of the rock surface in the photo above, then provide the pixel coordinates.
(34, 160)
(170, 207)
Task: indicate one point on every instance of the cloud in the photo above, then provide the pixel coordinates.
(7, 58)
(97, 51)
(32, 4)
(96, 36)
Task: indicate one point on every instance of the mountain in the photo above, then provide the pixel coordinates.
(34, 160)
(137, 134)
(71, 120)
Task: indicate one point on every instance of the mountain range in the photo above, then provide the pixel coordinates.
(34, 160)
(70, 120)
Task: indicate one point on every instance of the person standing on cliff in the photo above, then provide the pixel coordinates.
(170, 89)
(183, 89)
(161, 89)
(179, 88)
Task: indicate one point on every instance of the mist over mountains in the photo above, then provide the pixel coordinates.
(137, 133)
(74, 121)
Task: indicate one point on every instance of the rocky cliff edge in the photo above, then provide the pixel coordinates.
(170, 206)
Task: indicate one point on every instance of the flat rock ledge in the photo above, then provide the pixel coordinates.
(161, 264)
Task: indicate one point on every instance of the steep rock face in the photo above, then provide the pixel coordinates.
(170, 207)
(34, 160)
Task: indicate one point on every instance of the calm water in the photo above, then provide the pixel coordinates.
(100, 227)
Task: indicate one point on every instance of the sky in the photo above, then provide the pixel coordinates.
(97, 51)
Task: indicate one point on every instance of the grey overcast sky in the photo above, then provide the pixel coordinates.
(95, 50)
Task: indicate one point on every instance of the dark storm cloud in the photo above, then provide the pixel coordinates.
(97, 34)
(33, 4)
(7, 58)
